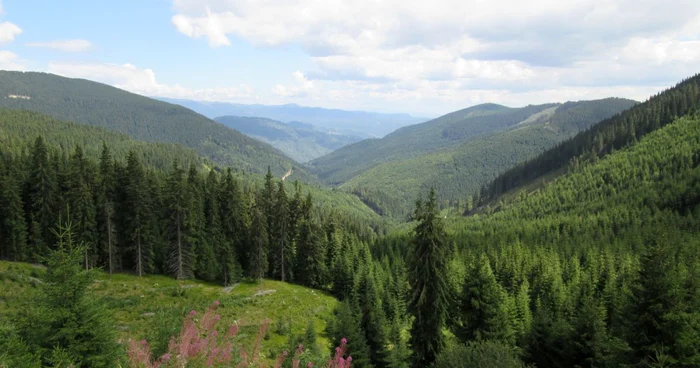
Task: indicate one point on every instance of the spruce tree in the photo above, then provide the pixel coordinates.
(231, 253)
(178, 199)
(428, 277)
(281, 251)
(346, 325)
(13, 229)
(66, 317)
(483, 311)
(106, 225)
(41, 200)
(257, 255)
(137, 213)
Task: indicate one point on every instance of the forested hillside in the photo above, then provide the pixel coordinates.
(597, 269)
(19, 129)
(608, 136)
(461, 170)
(454, 129)
(139, 117)
(300, 141)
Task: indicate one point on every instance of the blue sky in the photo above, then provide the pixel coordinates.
(425, 58)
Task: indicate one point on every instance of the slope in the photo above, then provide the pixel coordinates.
(608, 136)
(141, 118)
(19, 129)
(459, 169)
(451, 130)
(362, 123)
(153, 307)
(302, 142)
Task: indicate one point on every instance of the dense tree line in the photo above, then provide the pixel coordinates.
(598, 269)
(181, 221)
(141, 118)
(605, 137)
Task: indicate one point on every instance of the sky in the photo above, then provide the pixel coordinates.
(426, 58)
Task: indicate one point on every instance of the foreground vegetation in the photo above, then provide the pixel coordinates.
(599, 267)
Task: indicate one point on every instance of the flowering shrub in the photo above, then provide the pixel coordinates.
(200, 345)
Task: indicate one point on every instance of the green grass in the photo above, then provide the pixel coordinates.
(132, 299)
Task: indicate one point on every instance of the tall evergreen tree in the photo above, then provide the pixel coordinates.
(13, 229)
(178, 199)
(428, 278)
(82, 205)
(281, 251)
(137, 212)
(106, 210)
(40, 200)
(257, 253)
(484, 315)
(233, 217)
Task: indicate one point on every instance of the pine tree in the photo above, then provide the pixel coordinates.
(179, 210)
(664, 322)
(428, 278)
(82, 205)
(213, 229)
(310, 267)
(105, 211)
(233, 222)
(484, 316)
(13, 229)
(346, 325)
(257, 256)
(40, 200)
(137, 213)
(66, 317)
(281, 254)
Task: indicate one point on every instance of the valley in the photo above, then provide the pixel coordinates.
(286, 184)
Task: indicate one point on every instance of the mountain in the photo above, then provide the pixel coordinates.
(456, 153)
(610, 135)
(357, 123)
(300, 141)
(19, 129)
(142, 118)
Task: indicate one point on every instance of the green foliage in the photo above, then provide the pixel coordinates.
(66, 323)
(428, 277)
(458, 153)
(140, 118)
(608, 136)
(482, 354)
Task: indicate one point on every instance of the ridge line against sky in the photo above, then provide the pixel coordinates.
(417, 57)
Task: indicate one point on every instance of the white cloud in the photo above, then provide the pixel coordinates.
(302, 87)
(10, 61)
(64, 45)
(407, 51)
(144, 82)
(8, 32)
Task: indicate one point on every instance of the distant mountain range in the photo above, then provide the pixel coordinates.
(141, 118)
(301, 141)
(456, 153)
(355, 123)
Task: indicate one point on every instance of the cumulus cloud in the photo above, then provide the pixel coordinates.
(404, 50)
(10, 61)
(144, 82)
(8, 32)
(64, 45)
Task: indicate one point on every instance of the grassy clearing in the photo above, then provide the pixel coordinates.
(152, 307)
